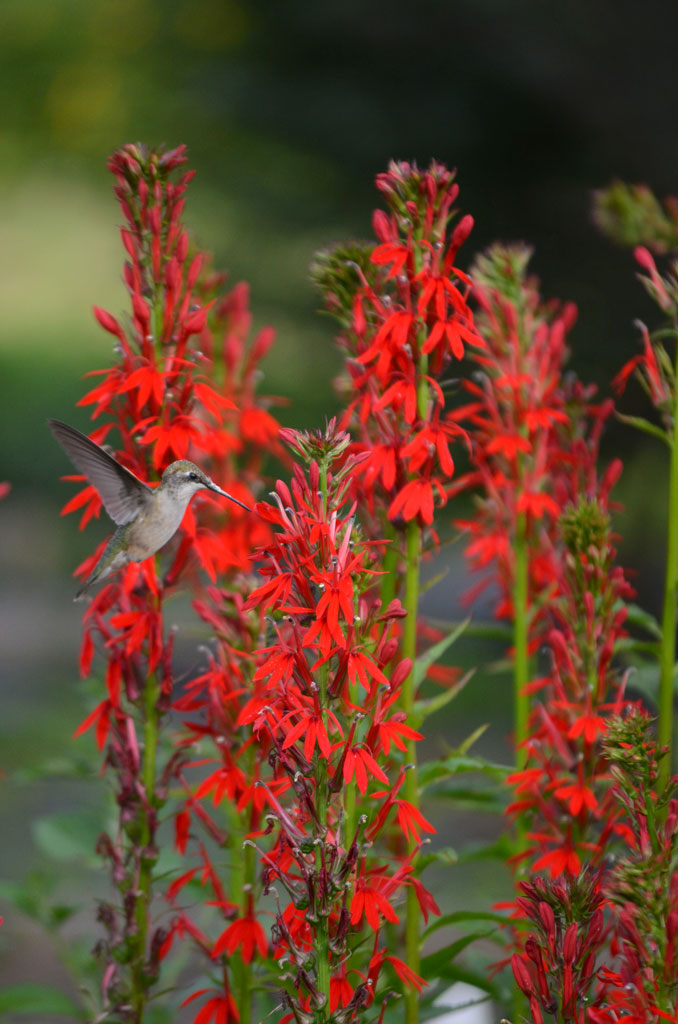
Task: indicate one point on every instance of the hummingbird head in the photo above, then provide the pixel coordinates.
(184, 478)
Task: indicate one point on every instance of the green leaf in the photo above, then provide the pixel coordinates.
(497, 849)
(463, 915)
(433, 1007)
(432, 582)
(447, 855)
(487, 801)
(71, 836)
(459, 763)
(30, 895)
(61, 912)
(426, 707)
(630, 645)
(41, 999)
(638, 616)
(429, 657)
(644, 679)
(470, 740)
(640, 423)
(56, 768)
(437, 965)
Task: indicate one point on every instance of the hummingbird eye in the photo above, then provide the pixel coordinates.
(192, 476)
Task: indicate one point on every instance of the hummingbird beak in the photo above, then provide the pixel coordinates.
(225, 494)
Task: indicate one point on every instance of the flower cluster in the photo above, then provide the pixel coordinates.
(291, 777)
(657, 369)
(331, 678)
(160, 397)
(517, 415)
(643, 885)
(562, 791)
(403, 310)
(556, 969)
(211, 704)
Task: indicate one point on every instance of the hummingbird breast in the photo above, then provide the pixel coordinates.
(154, 526)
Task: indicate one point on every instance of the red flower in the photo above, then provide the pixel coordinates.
(244, 935)
(369, 901)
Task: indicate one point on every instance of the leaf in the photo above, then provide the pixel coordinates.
(447, 855)
(638, 616)
(470, 740)
(463, 915)
(640, 423)
(31, 894)
(67, 837)
(437, 965)
(424, 708)
(479, 630)
(434, 579)
(56, 768)
(429, 657)
(644, 679)
(497, 849)
(629, 645)
(457, 764)
(488, 801)
(42, 999)
(433, 997)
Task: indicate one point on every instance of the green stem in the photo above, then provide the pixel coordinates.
(521, 662)
(390, 568)
(242, 879)
(245, 990)
(143, 840)
(668, 645)
(521, 668)
(321, 935)
(412, 953)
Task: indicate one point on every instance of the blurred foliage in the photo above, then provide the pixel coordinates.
(289, 110)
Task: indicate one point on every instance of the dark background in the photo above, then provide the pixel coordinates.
(289, 110)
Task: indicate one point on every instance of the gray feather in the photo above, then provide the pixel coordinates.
(122, 493)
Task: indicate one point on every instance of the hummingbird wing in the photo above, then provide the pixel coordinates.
(122, 493)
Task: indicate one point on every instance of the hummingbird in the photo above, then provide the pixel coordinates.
(146, 517)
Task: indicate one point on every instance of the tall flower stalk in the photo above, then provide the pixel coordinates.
(517, 408)
(633, 216)
(212, 702)
(402, 307)
(333, 676)
(156, 404)
(658, 374)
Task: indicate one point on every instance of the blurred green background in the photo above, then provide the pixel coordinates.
(288, 110)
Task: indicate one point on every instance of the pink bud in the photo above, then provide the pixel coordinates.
(644, 257)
